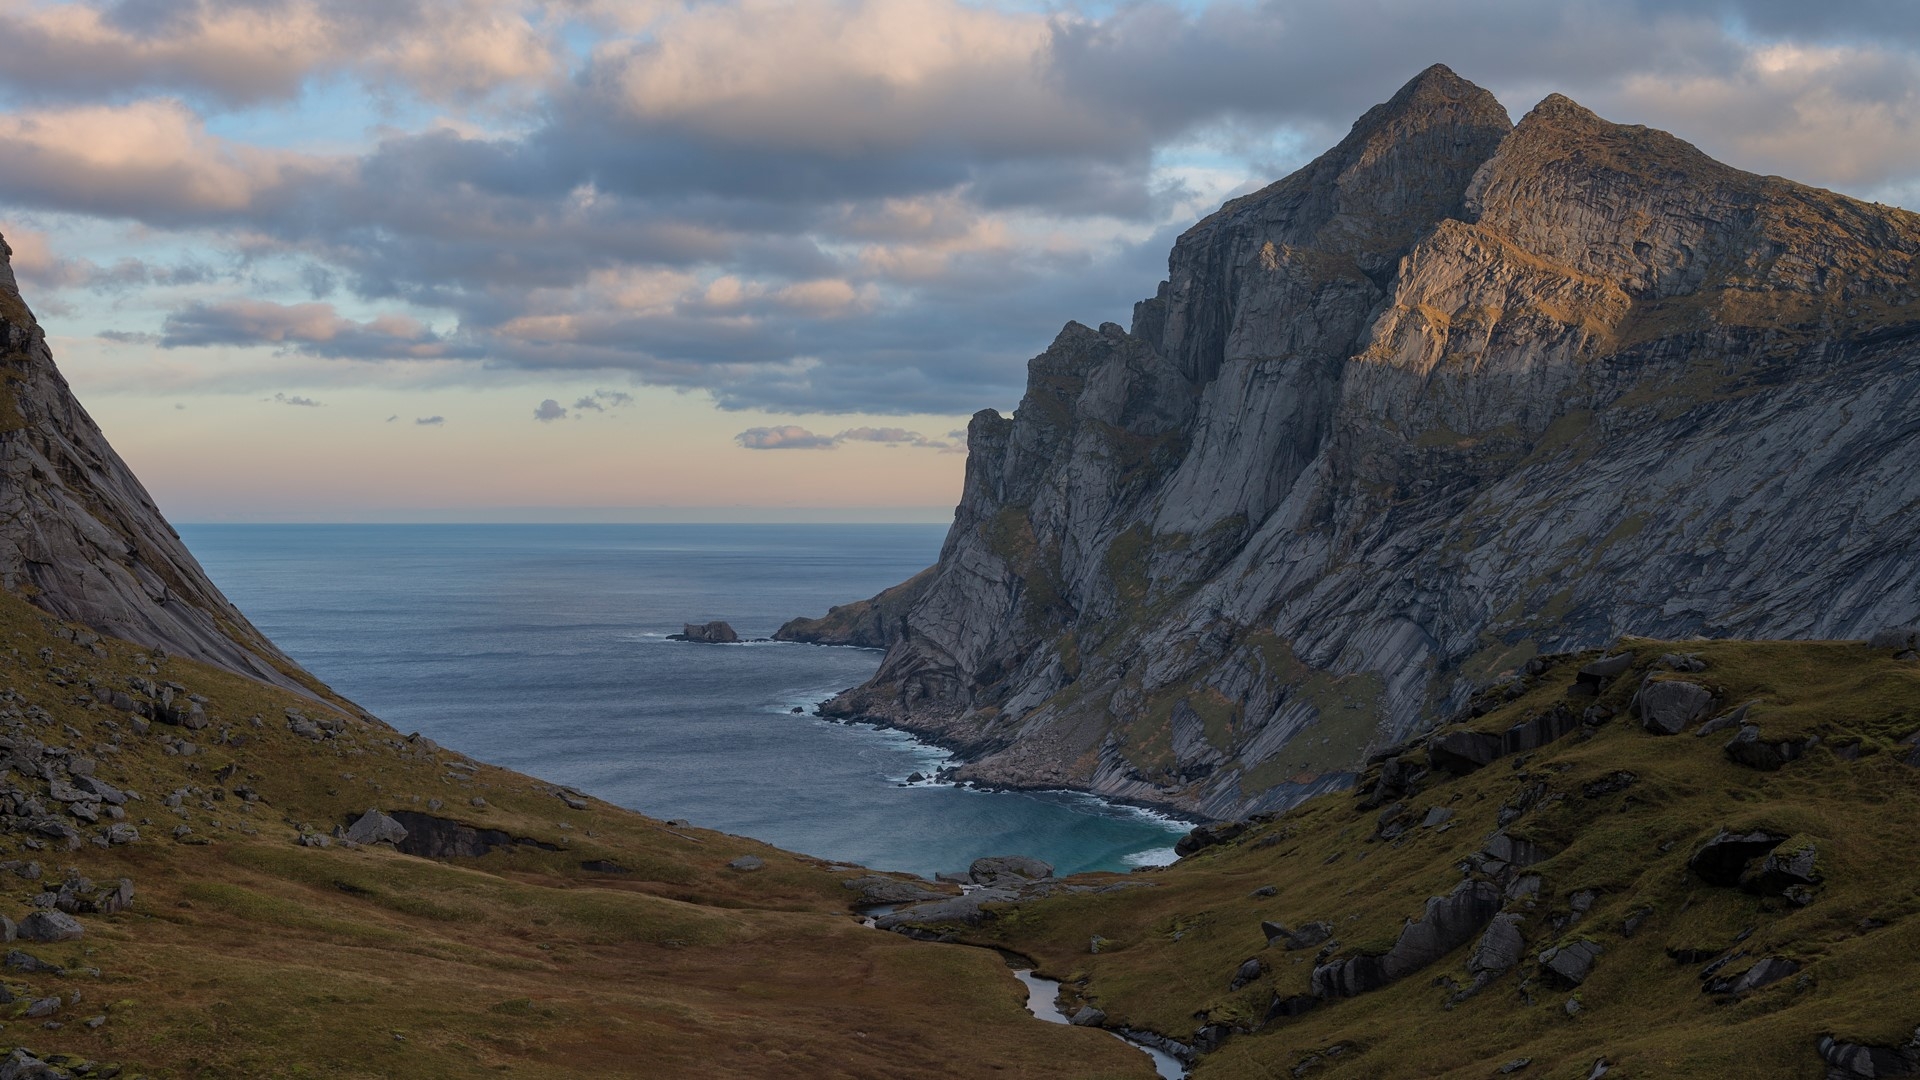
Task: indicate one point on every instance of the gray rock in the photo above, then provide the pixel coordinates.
(50, 926)
(874, 889)
(1778, 871)
(1088, 1016)
(30, 964)
(1438, 815)
(713, 633)
(43, 1007)
(1670, 706)
(374, 827)
(1248, 972)
(1765, 972)
(1500, 949)
(747, 863)
(1723, 859)
(1748, 747)
(1001, 869)
(1449, 922)
(1570, 964)
(1866, 1061)
(967, 910)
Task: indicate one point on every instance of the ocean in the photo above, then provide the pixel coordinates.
(543, 648)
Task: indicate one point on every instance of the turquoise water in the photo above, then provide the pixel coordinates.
(543, 648)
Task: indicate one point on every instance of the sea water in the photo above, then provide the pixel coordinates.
(543, 648)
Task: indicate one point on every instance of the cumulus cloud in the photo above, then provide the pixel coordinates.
(810, 206)
(295, 399)
(315, 329)
(549, 411)
(245, 53)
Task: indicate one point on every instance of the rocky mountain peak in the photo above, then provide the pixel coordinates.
(1455, 394)
(81, 538)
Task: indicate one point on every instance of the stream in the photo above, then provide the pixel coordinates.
(1043, 1001)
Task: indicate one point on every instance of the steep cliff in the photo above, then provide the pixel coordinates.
(82, 540)
(1452, 395)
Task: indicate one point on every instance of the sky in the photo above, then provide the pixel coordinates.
(493, 260)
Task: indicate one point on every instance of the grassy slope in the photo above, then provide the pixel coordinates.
(251, 956)
(1170, 952)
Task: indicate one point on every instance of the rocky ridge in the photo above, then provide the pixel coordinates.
(81, 538)
(1456, 394)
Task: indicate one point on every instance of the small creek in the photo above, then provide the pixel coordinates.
(1043, 997)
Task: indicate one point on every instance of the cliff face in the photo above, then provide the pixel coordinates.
(1450, 396)
(83, 541)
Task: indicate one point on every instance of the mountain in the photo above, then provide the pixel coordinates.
(215, 866)
(1454, 395)
(83, 541)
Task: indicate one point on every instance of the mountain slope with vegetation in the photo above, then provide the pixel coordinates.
(216, 867)
(1558, 881)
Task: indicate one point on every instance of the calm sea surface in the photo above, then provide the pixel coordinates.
(543, 648)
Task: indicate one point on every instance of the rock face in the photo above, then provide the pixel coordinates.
(869, 624)
(713, 633)
(1456, 393)
(79, 536)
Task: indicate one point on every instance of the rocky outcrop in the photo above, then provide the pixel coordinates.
(712, 633)
(82, 539)
(1455, 394)
(867, 624)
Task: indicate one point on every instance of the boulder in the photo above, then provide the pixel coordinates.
(1500, 948)
(1781, 870)
(1766, 972)
(747, 863)
(712, 633)
(1670, 706)
(1604, 670)
(1087, 1016)
(1462, 752)
(50, 926)
(1724, 858)
(374, 827)
(1866, 1061)
(1570, 964)
(874, 889)
(1248, 972)
(1748, 747)
(1206, 836)
(1008, 869)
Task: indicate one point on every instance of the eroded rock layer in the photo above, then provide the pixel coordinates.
(1454, 394)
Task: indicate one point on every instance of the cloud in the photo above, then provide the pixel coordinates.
(793, 437)
(602, 400)
(246, 53)
(785, 437)
(295, 399)
(152, 160)
(315, 329)
(431, 421)
(876, 207)
(549, 411)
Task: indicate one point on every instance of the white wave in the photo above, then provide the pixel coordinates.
(1164, 856)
